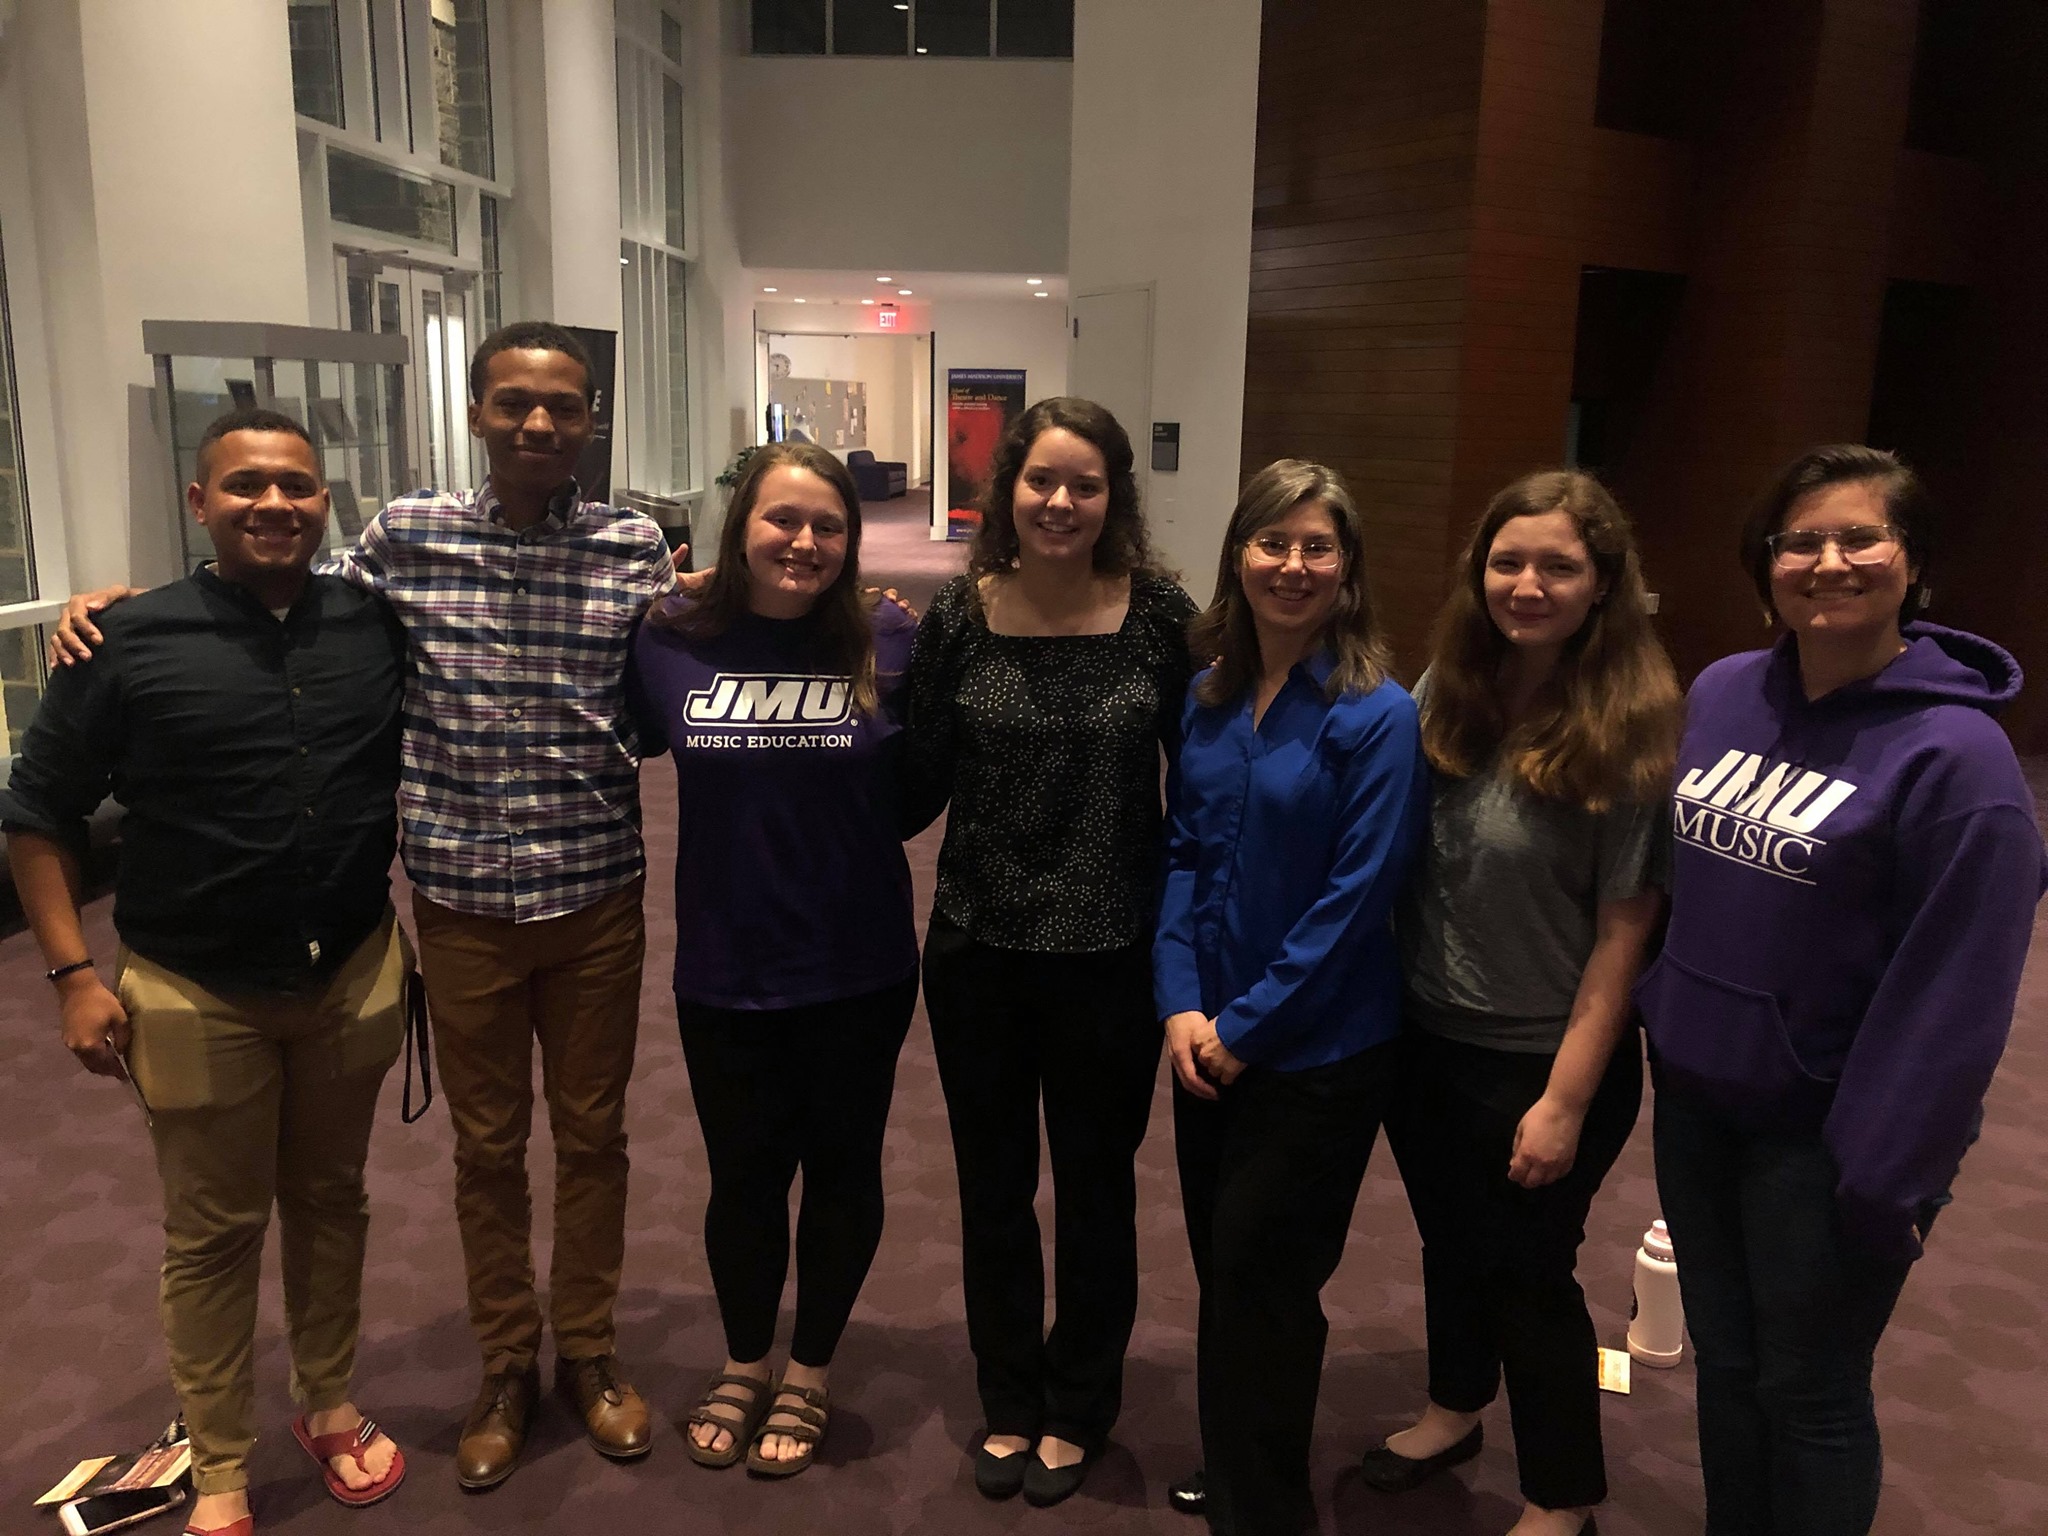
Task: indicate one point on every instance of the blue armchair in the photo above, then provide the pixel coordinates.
(877, 480)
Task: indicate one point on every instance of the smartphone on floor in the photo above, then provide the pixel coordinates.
(122, 1507)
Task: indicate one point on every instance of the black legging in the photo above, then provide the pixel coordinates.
(776, 1090)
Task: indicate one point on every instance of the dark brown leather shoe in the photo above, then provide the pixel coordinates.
(495, 1432)
(612, 1411)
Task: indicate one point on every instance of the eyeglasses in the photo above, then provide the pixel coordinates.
(1316, 554)
(1866, 544)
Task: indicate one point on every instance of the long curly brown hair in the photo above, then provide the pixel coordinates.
(1123, 547)
(1605, 728)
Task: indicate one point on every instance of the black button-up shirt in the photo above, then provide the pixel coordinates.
(257, 758)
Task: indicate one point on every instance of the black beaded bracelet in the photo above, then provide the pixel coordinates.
(62, 971)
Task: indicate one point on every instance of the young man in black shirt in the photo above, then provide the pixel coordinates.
(248, 719)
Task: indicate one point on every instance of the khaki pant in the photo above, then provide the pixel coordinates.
(262, 1097)
(494, 987)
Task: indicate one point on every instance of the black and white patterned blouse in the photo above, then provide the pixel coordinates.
(1048, 746)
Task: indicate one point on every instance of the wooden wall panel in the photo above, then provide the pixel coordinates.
(1431, 184)
(1360, 231)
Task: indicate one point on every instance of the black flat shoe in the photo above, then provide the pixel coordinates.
(1046, 1486)
(1391, 1472)
(999, 1477)
(1190, 1495)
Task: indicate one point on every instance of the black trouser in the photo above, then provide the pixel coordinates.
(782, 1089)
(1077, 1030)
(1269, 1174)
(1499, 1290)
(1785, 1315)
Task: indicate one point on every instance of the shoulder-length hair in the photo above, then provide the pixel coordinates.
(1907, 507)
(1123, 546)
(1225, 630)
(1605, 728)
(842, 611)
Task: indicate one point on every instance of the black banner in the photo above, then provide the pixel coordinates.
(594, 469)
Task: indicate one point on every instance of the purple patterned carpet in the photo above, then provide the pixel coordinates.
(1964, 1402)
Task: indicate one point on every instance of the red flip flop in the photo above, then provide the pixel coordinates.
(246, 1526)
(352, 1443)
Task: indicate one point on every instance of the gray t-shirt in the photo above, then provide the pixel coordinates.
(1498, 921)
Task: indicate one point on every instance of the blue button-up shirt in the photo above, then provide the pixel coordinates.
(1287, 847)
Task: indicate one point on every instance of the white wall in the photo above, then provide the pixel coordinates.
(938, 165)
(722, 378)
(582, 103)
(1164, 123)
(147, 198)
(1031, 334)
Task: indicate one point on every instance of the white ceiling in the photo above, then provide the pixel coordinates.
(850, 287)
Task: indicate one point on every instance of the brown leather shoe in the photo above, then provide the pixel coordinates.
(613, 1412)
(495, 1432)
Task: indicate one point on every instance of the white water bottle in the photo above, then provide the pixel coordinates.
(1656, 1329)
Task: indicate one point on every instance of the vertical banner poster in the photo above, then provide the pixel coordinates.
(980, 403)
(594, 468)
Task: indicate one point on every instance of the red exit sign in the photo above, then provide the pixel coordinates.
(886, 318)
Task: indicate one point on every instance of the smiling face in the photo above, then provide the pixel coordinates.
(534, 418)
(1540, 581)
(263, 506)
(796, 542)
(1061, 498)
(1834, 598)
(1293, 596)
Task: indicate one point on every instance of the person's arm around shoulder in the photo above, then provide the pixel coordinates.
(1970, 873)
(1381, 813)
(75, 636)
(928, 742)
(62, 774)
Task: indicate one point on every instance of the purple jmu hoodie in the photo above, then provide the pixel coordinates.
(1853, 888)
(791, 885)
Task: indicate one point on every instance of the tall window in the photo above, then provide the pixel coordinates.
(655, 251)
(405, 85)
(21, 650)
(1004, 29)
(462, 85)
(316, 59)
(400, 108)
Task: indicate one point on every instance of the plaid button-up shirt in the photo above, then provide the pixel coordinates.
(519, 795)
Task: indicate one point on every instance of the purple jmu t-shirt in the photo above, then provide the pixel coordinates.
(791, 885)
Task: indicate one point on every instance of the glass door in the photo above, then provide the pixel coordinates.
(432, 307)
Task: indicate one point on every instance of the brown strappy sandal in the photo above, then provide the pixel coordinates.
(752, 1409)
(812, 1412)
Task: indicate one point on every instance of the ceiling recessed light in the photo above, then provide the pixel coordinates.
(904, 7)
(1034, 281)
(885, 279)
(1041, 294)
(771, 290)
(798, 301)
(924, 50)
(904, 291)
(867, 301)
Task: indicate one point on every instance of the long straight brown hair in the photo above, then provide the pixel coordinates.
(1225, 630)
(843, 612)
(1605, 728)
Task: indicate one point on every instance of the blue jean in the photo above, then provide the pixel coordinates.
(1784, 1318)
